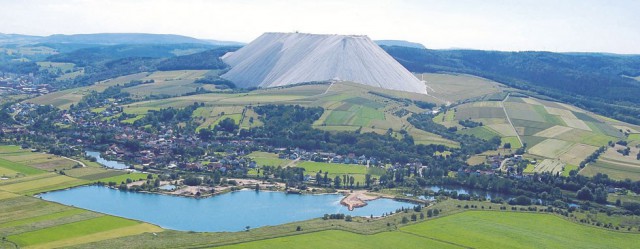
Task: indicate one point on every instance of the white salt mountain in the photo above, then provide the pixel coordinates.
(278, 59)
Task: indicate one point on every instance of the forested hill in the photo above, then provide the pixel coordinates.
(97, 54)
(105, 62)
(209, 59)
(589, 80)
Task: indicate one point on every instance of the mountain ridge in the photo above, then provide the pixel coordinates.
(111, 39)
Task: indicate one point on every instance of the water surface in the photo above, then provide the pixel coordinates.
(105, 162)
(227, 212)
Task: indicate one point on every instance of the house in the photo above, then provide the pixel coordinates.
(362, 160)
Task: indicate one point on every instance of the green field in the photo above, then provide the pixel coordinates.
(348, 106)
(480, 132)
(457, 87)
(75, 229)
(473, 112)
(550, 148)
(515, 143)
(46, 182)
(342, 239)
(65, 98)
(18, 168)
(123, 178)
(93, 173)
(568, 168)
(519, 230)
(268, 159)
(41, 161)
(549, 129)
(132, 120)
(31, 222)
(634, 137)
(473, 229)
(445, 118)
(614, 171)
(4, 149)
(354, 115)
(332, 168)
(171, 83)
(585, 137)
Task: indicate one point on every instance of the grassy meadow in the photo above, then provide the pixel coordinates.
(30, 222)
(347, 106)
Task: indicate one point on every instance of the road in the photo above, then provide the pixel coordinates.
(79, 162)
(509, 119)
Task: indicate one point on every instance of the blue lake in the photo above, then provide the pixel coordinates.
(227, 212)
(105, 162)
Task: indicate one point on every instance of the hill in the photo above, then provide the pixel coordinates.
(209, 59)
(399, 43)
(597, 82)
(17, 38)
(122, 38)
(277, 59)
(111, 39)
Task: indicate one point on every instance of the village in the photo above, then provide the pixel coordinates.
(12, 83)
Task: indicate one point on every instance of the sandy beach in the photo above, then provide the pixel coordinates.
(357, 199)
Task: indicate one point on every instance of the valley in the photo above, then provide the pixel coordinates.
(137, 145)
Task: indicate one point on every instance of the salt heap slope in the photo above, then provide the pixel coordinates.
(278, 59)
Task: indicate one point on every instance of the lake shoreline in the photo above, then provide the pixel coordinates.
(224, 213)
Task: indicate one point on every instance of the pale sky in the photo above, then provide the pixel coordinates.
(511, 25)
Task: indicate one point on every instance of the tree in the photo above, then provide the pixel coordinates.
(216, 177)
(348, 218)
(507, 145)
(192, 181)
(336, 182)
(351, 181)
(318, 178)
(584, 194)
(367, 180)
(521, 200)
(205, 134)
(601, 195)
(227, 124)
(156, 183)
